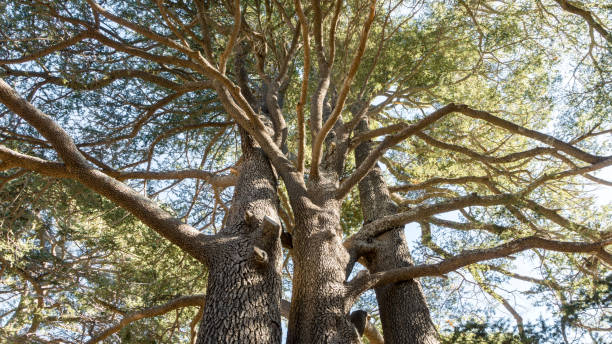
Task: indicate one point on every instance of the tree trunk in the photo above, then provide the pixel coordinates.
(319, 311)
(244, 283)
(403, 310)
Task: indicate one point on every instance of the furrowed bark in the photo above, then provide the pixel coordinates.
(403, 310)
(244, 283)
(319, 307)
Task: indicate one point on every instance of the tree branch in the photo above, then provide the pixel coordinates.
(587, 16)
(365, 282)
(180, 302)
(317, 146)
(11, 159)
(514, 128)
(387, 143)
(171, 228)
(233, 37)
(304, 91)
(436, 181)
(379, 226)
(62, 45)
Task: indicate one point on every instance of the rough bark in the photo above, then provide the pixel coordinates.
(403, 310)
(319, 311)
(244, 283)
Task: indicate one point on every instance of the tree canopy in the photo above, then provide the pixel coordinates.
(122, 135)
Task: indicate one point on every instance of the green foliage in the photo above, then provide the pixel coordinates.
(499, 332)
(528, 62)
(68, 254)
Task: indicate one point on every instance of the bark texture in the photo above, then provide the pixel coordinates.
(403, 310)
(244, 283)
(319, 311)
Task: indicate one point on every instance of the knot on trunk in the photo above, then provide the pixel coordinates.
(271, 233)
(260, 257)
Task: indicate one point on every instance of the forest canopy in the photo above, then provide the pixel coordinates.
(422, 171)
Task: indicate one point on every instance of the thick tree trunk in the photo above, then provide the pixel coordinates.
(244, 284)
(319, 311)
(403, 310)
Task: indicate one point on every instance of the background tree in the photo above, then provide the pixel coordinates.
(230, 128)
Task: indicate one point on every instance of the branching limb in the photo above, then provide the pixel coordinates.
(482, 157)
(304, 91)
(437, 181)
(57, 47)
(139, 29)
(11, 159)
(233, 37)
(536, 135)
(415, 129)
(184, 301)
(387, 143)
(587, 16)
(489, 227)
(181, 234)
(365, 282)
(317, 146)
(386, 223)
(211, 178)
(109, 78)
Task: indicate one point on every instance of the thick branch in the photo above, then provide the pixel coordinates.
(514, 128)
(181, 234)
(211, 178)
(386, 223)
(317, 146)
(11, 159)
(366, 282)
(587, 16)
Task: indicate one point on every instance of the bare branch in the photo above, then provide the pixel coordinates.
(62, 45)
(11, 159)
(304, 92)
(139, 29)
(211, 178)
(437, 181)
(233, 37)
(110, 77)
(383, 224)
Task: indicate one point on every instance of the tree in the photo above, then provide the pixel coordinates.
(278, 139)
